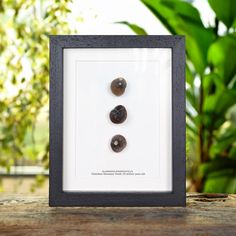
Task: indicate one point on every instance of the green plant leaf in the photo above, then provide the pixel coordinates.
(223, 183)
(192, 99)
(217, 164)
(220, 175)
(137, 29)
(232, 153)
(223, 142)
(182, 18)
(163, 13)
(222, 55)
(191, 129)
(189, 76)
(212, 83)
(225, 101)
(224, 10)
(219, 102)
(231, 186)
(185, 10)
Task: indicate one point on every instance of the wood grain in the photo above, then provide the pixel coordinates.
(209, 214)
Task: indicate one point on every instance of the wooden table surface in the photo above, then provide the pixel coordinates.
(204, 215)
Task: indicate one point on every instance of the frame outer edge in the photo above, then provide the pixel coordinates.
(56, 195)
(179, 122)
(56, 120)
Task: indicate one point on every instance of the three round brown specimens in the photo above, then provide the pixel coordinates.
(119, 114)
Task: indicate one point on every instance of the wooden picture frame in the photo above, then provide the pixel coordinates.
(58, 46)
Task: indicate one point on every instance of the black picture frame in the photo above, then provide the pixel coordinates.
(57, 197)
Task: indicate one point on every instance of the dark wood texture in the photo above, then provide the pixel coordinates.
(56, 194)
(204, 215)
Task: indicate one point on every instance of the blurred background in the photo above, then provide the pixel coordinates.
(209, 27)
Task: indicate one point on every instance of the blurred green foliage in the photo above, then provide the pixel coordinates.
(210, 84)
(210, 89)
(24, 76)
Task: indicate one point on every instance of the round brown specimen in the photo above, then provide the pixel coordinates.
(118, 86)
(118, 143)
(118, 115)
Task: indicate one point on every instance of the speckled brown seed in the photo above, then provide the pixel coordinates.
(118, 143)
(118, 86)
(118, 115)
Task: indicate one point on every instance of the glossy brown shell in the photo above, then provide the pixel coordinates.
(118, 86)
(118, 143)
(118, 115)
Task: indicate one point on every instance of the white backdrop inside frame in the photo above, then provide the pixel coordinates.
(89, 164)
